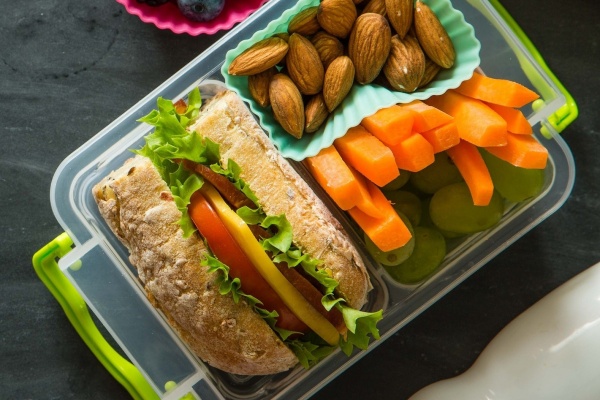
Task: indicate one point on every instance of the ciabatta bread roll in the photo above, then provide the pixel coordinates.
(139, 208)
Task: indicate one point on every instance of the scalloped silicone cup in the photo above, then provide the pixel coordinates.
(363, 100)
(168, 16)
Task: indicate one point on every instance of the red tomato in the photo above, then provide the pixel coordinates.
(229, 252)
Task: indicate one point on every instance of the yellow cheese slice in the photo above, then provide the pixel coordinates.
(265, 266)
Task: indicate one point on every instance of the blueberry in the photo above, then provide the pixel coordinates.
(201, 10)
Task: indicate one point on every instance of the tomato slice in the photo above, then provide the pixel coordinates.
(229, 252)
(288, 293)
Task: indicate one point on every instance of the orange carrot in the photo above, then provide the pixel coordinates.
(413, 153)
(368, 155)
(335, 177)
(498, 91)
(442, 137)
(476, 122)
(522, 151)
(389, 232)
(364, 200)
(390, 124)
(515, 120)
(470, 163)
(426, 117)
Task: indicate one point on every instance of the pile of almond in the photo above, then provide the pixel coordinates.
(305, 73)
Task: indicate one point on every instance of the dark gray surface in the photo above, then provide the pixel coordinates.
(68, 68)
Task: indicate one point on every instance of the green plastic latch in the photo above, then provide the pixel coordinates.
(45, 263)
(567, 113)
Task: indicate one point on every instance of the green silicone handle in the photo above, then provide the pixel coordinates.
(46, 266)
(567, 113)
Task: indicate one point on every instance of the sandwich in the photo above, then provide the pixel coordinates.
(242, 258)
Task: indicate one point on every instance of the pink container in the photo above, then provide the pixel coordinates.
(168, 16)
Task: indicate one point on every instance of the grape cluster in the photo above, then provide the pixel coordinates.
(436, 205)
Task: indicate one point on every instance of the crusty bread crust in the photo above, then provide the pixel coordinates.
(139, 208)
(279, 188)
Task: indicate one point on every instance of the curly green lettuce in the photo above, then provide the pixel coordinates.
(170, 141)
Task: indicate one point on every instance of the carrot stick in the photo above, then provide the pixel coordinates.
(368, 155)
(515, 120)
(476, 122)
(414, 153)
(522, 151)
(426, 117)
(335, 177)
(388, 232)
(498, 91)
(390, 124)
(442, 137)
(364, 200)
(470, 163)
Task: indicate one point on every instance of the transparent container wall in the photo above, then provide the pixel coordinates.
(503, 55)
(98, 265)
(121, 306)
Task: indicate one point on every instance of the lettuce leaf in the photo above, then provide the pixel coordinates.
(233, 172)
(227, 285)
(309, 353)
(362, 325)
(171, 141)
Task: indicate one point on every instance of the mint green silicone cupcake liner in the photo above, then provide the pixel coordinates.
(363, 100)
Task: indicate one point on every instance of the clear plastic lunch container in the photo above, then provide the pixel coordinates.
(86, 268)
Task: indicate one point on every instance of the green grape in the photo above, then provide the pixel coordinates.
(425, 217)
(452, 209)
(426, 221)
(428, 254)
(398, 182)
(406, 203)
(396, 256)
(514, 183)
(441, 173)
(451, 235)
(452, 238)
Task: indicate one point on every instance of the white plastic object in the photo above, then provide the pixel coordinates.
(551, 351)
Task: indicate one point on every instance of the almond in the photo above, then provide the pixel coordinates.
(432, 36)
(400, 15)
(339, 79)
(258, 85)
(283, 35)
(287, 105)
(405, 66)
(304, 65)
(315, 113)
(328, 46)
(305, 22)
(375, 6)
(259, 57)
(369, 46)
(337, 16)
(431, 71)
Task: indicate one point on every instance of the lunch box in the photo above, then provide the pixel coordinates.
(87, 269)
